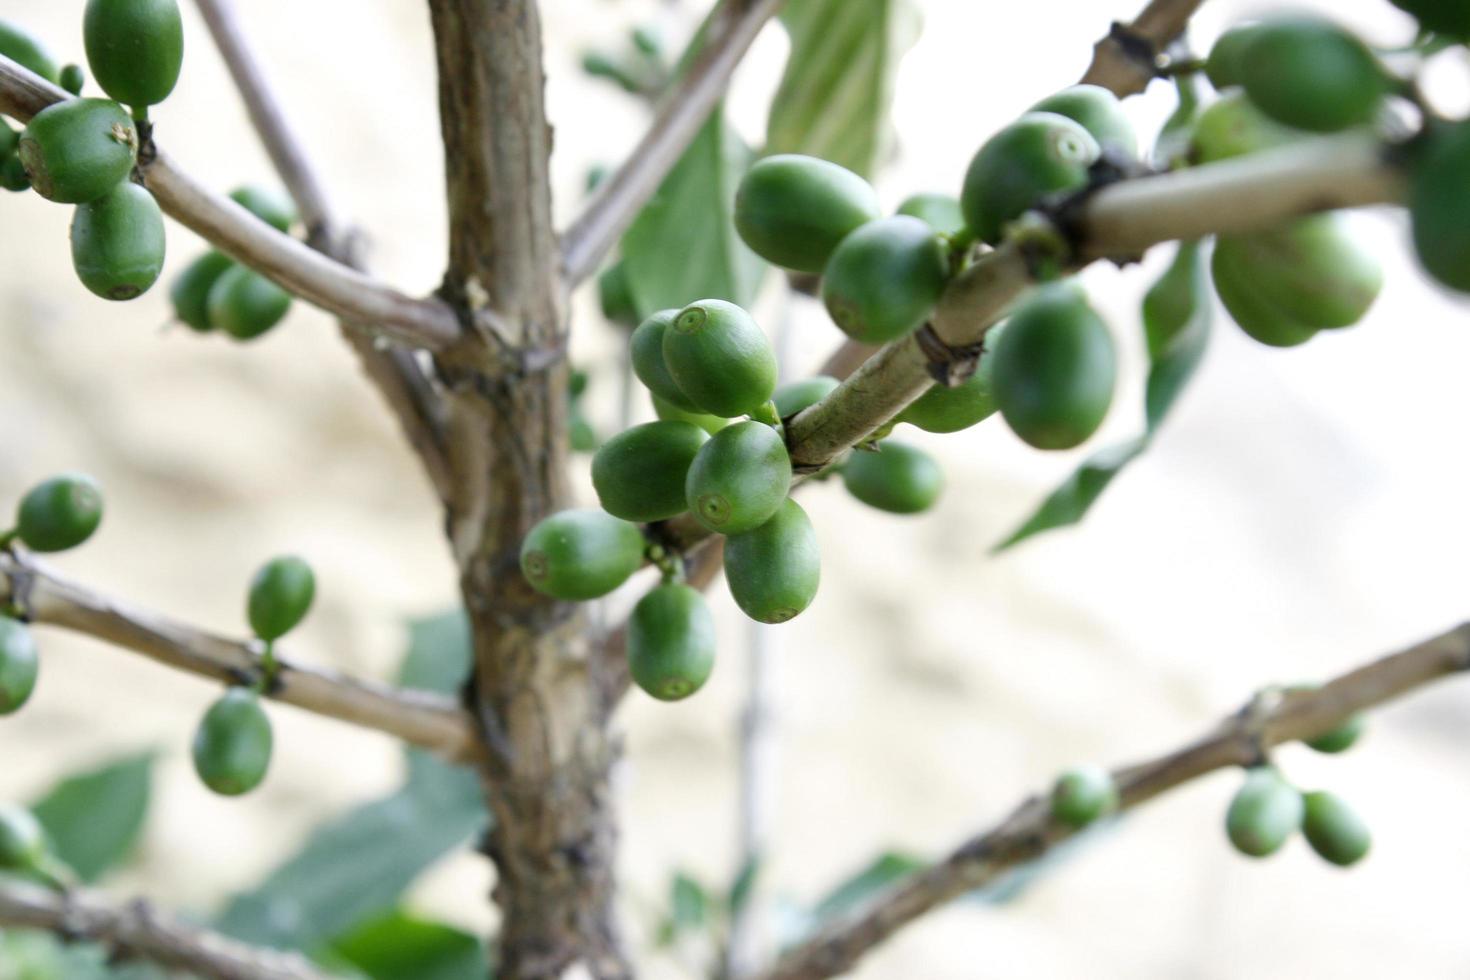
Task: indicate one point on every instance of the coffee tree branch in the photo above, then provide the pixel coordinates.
(290, 264)
(1125, 60)
(429, 721)
(136, 931)
(393, 370)
(681, 112)
(1273, 718)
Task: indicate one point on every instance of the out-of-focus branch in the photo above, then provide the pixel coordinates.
(1029, 832)
(1126, 60)
(427, 720)
(399, 378)
(135, 931)
(681, 113)
(310, 275)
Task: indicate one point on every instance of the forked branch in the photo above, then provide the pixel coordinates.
(136, 931)
(681, 113)
(1271, 719)
(427, 720)
(1126, 60)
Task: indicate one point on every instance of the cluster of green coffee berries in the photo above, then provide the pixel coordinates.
(216, 293)
(55, 515)
(232, 746)
(83, 151)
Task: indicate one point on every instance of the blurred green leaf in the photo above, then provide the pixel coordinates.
(1173, 142)
(94, 818)
(837, 91)
(401, 947)
(1176, 322)
(688, 902)
(743, 886)
(682, 246)
(863, 887)
(27, 954)
(358, 865)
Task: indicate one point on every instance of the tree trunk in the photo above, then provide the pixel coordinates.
(540, 695)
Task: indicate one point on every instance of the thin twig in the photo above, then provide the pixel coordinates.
(135, 931)
(420, 718)
(1029, 832)
(266, 114)
(681, 113)
(395, 372)
(315, 278)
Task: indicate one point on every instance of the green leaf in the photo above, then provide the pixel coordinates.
(94, 818)
(837, 91)
(1173, 142)
(880, 875)
(743, 887)
(358, 865)
(682, 246)
(27, 954)
(1176, 322)
(401, 947)
(688, 903)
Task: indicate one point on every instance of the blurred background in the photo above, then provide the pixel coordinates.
(1302, 511)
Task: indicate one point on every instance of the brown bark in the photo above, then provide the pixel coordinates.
(536, 693)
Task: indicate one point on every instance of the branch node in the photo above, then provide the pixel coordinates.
(1137, 48)
(949, 365)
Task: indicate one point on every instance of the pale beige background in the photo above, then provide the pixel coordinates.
(1304, 510)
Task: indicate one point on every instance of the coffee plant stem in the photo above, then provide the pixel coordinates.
(315, 278)
(731, 29)
(429, 721)
(136, 931)
(1114, 67)
(1029, 832)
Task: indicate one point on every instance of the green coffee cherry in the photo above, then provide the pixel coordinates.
(616, 296)
(649, 365)
(1334, 830)
(1082, 795)
(673, 413)
(60, 513)
(190, 290)
(1312, 74)
(1449, 17)
(1099, 112)
(671, 642)
(1223, 66)
(1339, 739)
(1439, 206)
(76, 151)
(720, 359)
(1232, 126)
(883, 280)
(939, 211)
(280, 596)
(118, 243)
(27, 52)
(1260, 320)
(22, 841)
(232, 746)
(135, 48)
(792, 210)
(898, 478)
(73, 78)
(639, 474)
(19, 665)
(1311, 270)
(245, 304)
(739, 478)
(795, 397)
(581, 554)
(269, 206)
(1055, 367)
(1265, 811)
(968, 403)
(1040, 154)
(773, 571)
(13, 176)
(9, 140)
